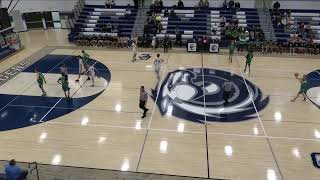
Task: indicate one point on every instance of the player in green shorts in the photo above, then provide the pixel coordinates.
(41, 80)
(231, 50)
(249, 58)
(303, 87)
(65, 86)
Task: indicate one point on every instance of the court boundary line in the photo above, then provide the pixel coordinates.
(195, 132)
(258, 115)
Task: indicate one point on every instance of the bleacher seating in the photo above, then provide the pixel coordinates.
(93, 17)
(194, 23)
(311, 17)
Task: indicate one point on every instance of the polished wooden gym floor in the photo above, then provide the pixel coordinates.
(272, 142)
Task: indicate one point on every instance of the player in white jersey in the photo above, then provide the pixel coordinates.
(81, 67)
(92, 74)
(157, 66)
(134, 50)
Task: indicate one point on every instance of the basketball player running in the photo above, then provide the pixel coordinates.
(249, 60)
(157, 66)
(41, 80)
(231, 50)
(134, 50)
(303, 87)
(65, 86)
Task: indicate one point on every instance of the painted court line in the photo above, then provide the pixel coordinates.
(153, 110)
(41, 120)
(192, 132)
(264, 131)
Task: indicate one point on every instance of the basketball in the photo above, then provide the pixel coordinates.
(296, 74)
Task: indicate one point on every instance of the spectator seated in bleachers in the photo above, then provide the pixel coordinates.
(223, 21)
(180, 4)
(225, 5)
(14, 172)
(276, 6)
(206, 4)
(231, 4)
(237, 5)
(108, 27)
(109, 4)
(172, 13)
(166, 12)
(202, 4)
(128, 11)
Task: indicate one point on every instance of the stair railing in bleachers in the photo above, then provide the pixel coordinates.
(69, 24)
(78, 7)
(77, 11)
(82, 3)
(34, 167)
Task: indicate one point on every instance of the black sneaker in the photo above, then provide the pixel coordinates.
(77, 80)
(88, 79)
(143, 116)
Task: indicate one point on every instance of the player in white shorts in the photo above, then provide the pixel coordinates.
(157, 66)
(134, 50)
(92, 74)
(81, 67)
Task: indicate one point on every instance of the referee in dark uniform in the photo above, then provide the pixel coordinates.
(143, 101)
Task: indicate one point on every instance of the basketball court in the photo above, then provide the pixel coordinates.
(261, 134)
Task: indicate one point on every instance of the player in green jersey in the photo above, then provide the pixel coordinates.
(40, 81)
(249, 58)
(65, 86)
(303, 87)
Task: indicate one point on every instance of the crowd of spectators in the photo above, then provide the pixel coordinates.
(245, 37)
(102, 40)
(301, 38)
(109, 27)
(202, 4)
(231, 5)
(110, 4)
(280, 18)
(153, 24)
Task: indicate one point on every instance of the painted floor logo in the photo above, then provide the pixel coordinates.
(194, 94)
(315, 157)
(313, 89)
(18, 110)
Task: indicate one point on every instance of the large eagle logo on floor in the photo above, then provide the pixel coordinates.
(196, 95)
